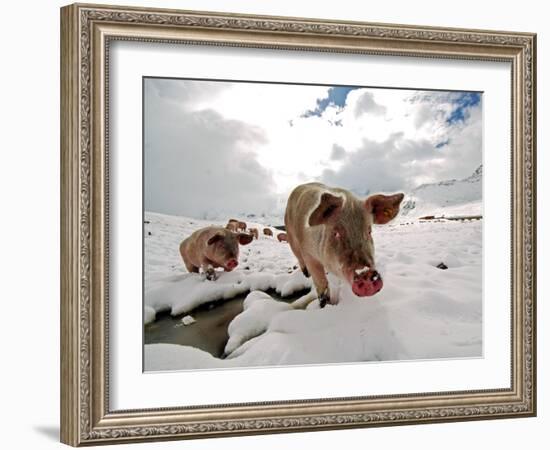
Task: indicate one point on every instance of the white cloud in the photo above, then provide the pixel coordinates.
(413, 142)
(366, 104)
(199, 164)
(338, 153)
(223, 145)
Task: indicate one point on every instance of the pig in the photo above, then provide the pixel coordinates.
(235, 225)
(281, 237)
(254, 232)
(212, 247)
(232, 226)
(329, 229)
(268, 232)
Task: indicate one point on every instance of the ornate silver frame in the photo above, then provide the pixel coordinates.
(86, 31)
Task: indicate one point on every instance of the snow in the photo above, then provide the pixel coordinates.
(171, 357)
(259, 309)
(447, 198)
(149, 314)
(264, 264)
(422, 312)
(188, 320)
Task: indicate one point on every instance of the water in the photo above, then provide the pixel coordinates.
(209, 332)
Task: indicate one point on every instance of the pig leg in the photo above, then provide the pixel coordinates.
(319, 280)
(211, 274)
(191, 268)
(208, 269)
(296, 250)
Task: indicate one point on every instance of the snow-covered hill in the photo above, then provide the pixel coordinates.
(446, 198)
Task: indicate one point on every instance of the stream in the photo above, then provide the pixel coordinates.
(209, 332)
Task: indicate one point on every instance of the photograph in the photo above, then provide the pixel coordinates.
(291, 224)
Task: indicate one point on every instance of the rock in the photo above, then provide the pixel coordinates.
(442, 266)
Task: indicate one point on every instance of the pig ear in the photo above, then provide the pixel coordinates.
(217, 237)
(329, 207)
(384, 207)
(245, 238)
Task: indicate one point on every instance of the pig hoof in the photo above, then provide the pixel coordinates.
(324, 299)
(211, 275)
(305, 272)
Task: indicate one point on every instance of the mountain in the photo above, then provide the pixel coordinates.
(446, 198)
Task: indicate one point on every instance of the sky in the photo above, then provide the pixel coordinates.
(214, 148)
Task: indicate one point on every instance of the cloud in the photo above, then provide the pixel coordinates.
(200, 164)
(368, 169)
(184, 93)
(416, 142)
(423, 115)
(452, 106)
(216, 148)
(366, 104)
(338, 152)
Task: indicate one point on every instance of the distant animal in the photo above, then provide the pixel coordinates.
(329, 230)
(235, 225)
(232, 225)
(268, 232)
(282, 237)
(212, 247)
(254, 232)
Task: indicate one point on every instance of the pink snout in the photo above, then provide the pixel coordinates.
(367, 284)
(231, 264)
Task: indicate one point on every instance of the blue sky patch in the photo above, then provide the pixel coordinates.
(336, 97)
(442, 144)
(462, 102)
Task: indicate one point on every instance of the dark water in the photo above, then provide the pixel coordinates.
(209, 332)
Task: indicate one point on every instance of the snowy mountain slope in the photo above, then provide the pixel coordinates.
(446, 198)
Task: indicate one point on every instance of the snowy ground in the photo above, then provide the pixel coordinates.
(264, 264)
(422, 312)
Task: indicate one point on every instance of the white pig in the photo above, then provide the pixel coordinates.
(329, 229)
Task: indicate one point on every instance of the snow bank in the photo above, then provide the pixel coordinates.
(177, 357)
(259, 309)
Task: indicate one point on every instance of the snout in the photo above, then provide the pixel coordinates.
(366, 283)
(231, 264)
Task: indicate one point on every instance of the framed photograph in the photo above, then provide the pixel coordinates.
(276, 224)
